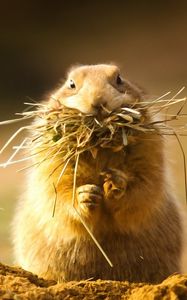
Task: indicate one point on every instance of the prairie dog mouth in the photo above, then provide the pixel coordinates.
(101, 111)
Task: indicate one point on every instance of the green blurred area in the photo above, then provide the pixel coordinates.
(40, 40)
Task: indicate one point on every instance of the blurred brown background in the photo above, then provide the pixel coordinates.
(40, 40)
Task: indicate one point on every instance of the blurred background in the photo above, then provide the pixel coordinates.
(39, 40)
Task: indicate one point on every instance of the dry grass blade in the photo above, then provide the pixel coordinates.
(9, 161)
(13, 137)
(7, 122)
(184, 162)
(63, 134)
(54, 207)
(63, 170)
(80, 217)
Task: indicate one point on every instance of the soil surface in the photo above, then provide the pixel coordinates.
(18, 284)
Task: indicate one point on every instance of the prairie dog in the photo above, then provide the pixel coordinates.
(140, 225)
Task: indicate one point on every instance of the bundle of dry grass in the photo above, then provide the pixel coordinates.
(66, 133)
(71, 132)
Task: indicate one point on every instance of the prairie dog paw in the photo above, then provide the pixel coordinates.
(89, 196)
(115, 182)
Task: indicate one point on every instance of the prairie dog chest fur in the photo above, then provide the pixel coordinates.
(122, 194)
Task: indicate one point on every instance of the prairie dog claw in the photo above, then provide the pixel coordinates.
(89, 195)
(115, 182)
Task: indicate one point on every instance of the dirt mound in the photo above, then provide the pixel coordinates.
(17, 284)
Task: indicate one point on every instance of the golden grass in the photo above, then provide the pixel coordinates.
(68, 133)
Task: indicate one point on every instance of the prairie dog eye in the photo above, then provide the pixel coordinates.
(119, 80)
(71, 84)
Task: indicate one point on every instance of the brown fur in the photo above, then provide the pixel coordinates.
(131, 212)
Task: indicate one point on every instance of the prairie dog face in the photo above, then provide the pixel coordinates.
(88, 88)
